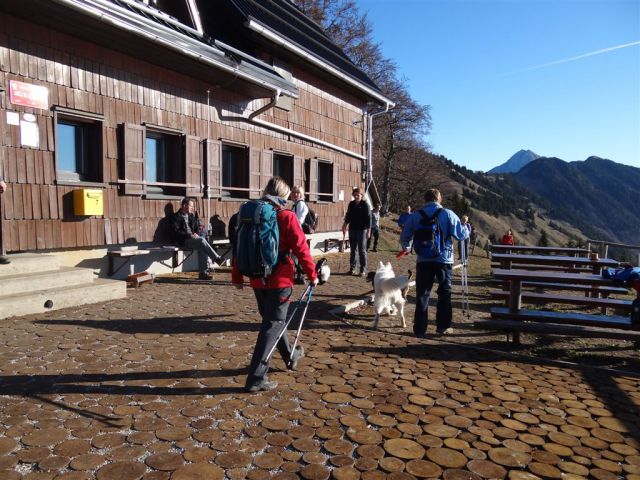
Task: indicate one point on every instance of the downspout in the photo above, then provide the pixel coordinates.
(287, 131)
(208, 160)
(268, 106)
(370, 117)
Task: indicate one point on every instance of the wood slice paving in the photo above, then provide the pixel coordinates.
(151, 388)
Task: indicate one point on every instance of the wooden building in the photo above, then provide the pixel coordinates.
(146, 101)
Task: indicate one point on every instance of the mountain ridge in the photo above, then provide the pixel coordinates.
(517, 161)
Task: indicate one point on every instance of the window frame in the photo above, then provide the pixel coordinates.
(231, 192)
(174, 183)
(278, 157)
(93, 124)
(326, 196)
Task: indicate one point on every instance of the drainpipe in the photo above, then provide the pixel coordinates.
(268, 106)
(208, 169)
(370, 116)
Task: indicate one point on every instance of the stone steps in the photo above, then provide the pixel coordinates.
(35, 283)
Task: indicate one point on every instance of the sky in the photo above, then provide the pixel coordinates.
(558, 77)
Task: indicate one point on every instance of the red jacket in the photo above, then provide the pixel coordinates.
(292, 240)
(507, 240)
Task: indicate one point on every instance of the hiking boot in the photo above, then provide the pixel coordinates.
(352, 271)
(446, 331)
(260, 386)
(296, 355)
(4, 260)
(374, 250)
(205, 276)
(363, 273)
(299, 281)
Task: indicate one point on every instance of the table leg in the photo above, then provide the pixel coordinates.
(515, 303)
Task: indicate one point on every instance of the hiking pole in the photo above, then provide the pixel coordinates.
(307, 292)
(304, 314)
(464, 281)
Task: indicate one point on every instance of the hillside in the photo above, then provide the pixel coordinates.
(599, 196)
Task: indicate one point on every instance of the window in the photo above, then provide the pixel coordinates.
(164, 163)
(283, 167)
(235, 171)
(78, 149)
(325, 181)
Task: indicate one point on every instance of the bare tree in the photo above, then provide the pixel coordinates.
(402, 128)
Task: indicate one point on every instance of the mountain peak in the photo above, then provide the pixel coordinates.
(516, 162)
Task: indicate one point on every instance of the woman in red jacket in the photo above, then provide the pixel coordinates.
(273, 294)
(507, 239)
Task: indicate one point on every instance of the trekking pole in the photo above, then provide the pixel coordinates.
(306, 292)
(464, 280)
(304, 314)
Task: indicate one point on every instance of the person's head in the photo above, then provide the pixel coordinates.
(464, 219)
(376, 207)
(188, 205)
(509, 232)
(356, 193)
(408, 209)
(432, 195)
(297, 193)
(277, 187)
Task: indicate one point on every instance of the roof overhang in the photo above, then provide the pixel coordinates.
(114, 27)
(299, 51)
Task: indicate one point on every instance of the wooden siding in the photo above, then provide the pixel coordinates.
(37, 211)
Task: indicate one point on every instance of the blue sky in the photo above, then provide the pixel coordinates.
(502, 75)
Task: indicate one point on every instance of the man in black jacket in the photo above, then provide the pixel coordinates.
(358, 220)
(184, 233)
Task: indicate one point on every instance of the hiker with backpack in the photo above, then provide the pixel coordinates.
(430, 231)
(266, 237)
(358, 221)
(307, 218)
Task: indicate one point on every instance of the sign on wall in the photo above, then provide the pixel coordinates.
(28, 95)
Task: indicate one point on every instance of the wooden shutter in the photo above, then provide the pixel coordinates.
(298, 171)
(213, 155)
(134, 137)
(254, 173)
(266, 168)
(193, 165)
(313, 179)
(336, 181)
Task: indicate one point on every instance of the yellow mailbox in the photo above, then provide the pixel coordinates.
(88, 201)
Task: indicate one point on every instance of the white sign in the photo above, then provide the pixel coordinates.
(13, 118)
(341, 195)
(29, 134)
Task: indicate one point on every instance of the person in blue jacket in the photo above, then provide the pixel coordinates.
(434, 269)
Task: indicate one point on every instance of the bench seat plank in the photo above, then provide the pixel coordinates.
(544, 298)
(571, 318)
(554, 328)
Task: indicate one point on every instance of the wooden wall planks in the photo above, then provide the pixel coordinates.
(83, 76)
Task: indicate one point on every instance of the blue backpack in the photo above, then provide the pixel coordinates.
(257, 239)
(427, 239)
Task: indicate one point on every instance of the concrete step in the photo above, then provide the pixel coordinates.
(30, 282)
(29, 263)
(61, 297)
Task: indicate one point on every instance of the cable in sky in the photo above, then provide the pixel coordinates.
(571, 59)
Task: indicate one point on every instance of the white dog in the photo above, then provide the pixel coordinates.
(390, 292)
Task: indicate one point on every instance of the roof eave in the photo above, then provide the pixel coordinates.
(273, 36)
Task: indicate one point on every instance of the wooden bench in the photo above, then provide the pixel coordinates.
(127, 253)
(603, 291)
(330, 243)
(517, 326)
(571, 318)
(540, 250)
(553, 262)
(549, 268)
(545, 298)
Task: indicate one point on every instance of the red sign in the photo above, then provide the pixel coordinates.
(28, 95)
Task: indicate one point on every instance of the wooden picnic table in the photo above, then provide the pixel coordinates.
(515, 319)
(539, 250)
(508, 259)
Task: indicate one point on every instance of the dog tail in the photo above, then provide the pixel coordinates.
(405, 290)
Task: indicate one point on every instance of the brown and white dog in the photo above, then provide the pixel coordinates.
(390, 292)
